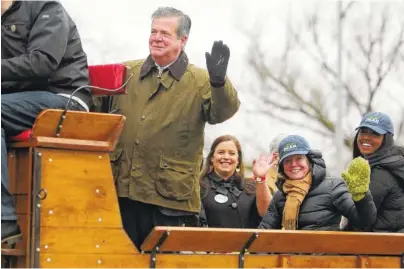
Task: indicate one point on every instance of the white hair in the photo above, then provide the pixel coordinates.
(273, 146)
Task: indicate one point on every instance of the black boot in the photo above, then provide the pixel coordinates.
(10, 232)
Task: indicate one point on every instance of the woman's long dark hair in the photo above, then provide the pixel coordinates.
(388, 142)
(208, 166)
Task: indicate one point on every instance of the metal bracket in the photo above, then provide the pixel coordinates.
(156, 248)
(60, 123)
(402, 260)
(244, 249)
(36, 199)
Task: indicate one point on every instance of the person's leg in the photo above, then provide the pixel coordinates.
(18, 113)
(137, 219)
(9, 227)
(128, 216)
(19, 110)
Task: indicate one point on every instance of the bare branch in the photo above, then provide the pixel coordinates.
(346, 9)
(288, 120)
(287, 87)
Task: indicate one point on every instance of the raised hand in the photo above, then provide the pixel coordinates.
(357, 178)
(217, 62)
(261, 166)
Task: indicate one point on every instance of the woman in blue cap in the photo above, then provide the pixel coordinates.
(308, 200)
(374, 141)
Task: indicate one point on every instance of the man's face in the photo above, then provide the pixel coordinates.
(164, 43)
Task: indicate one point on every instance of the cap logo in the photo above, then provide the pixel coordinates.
(289, 146)
(372, 119)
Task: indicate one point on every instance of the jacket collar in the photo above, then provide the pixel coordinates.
(177, 69)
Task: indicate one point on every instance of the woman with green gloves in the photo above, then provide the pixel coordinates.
(374, 141)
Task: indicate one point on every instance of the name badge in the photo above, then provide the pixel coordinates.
(221, 199)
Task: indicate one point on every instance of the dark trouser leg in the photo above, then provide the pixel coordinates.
(18, 113)
(139, 219)
(7, 208)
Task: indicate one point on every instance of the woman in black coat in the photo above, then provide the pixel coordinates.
(374, 141)
(229, 200)
(308, 200)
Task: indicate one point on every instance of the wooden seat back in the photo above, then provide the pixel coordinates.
(79, 130)
(276, 241)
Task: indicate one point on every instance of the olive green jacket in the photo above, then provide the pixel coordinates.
(157, 159)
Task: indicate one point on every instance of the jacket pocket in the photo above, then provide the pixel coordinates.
(176, 179)
(17, 30)
(115, 158)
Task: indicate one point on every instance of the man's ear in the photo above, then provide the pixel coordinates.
(184, 41)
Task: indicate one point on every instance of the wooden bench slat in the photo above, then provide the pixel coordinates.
(197, 239)
(57, 260)
(67, 143)
(79, 125)
(276, 241)
(330, 242)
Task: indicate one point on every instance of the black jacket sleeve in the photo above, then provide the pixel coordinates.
(361, 214)
(273, 218)
(46, 46)
(202, 219)
(380, 183)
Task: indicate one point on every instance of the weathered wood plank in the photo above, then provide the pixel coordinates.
(80, 190)
(52, 260)
(79, 125)
(86, 240)
(276, 241)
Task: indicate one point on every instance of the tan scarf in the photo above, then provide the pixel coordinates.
(296, 191)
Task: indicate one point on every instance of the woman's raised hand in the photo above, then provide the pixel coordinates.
(261, 165)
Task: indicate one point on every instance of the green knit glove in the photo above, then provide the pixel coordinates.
(357, 178)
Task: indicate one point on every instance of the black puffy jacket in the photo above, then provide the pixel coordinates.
(387, 188)
(326, 202)
(41, 50)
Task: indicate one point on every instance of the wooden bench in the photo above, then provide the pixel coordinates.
(238, 248)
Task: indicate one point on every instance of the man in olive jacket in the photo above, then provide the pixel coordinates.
(157, 160)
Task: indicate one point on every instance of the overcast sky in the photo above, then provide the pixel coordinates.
(115, 31)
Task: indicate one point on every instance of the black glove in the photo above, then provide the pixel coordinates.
(217, 62)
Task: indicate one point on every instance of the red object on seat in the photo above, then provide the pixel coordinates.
(108, 76)
(22, 137)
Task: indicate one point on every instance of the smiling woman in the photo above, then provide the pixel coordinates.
(228, 200)
(374, 141)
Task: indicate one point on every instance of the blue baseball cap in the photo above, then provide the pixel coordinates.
(378, 122)
(292, 145)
